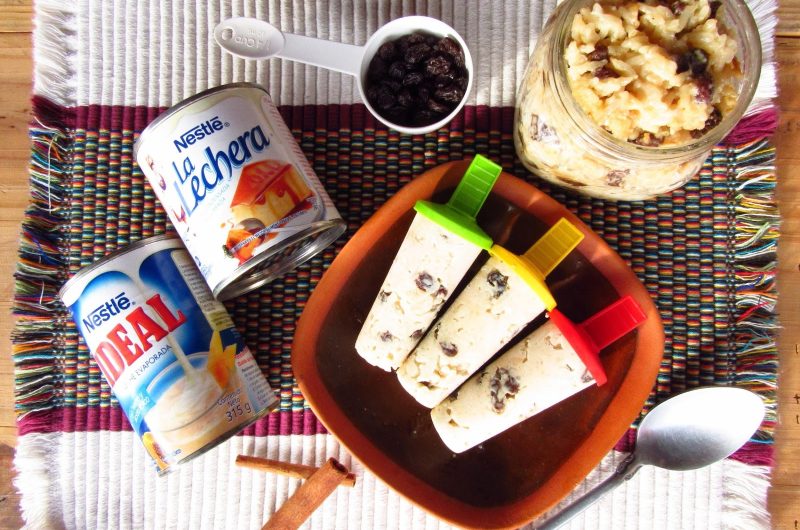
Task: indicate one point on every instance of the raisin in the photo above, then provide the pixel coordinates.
(435, 106)
(647, 139)
(383, 295)
(401, 45)
(405, 99)
(502, 386)
(385, 98)
(397, 70)
(616, 177)
(713, 120)
(450, 47)
(498, 281)
(449, 94)
(387, 51)
(449, 349)
(417, 334)
(377, 69)
(417, 53)
(444, 80)
(413, 78)
(605, 72)
(423, 94)
(695, 61)
(600, 53)
(424, 281)
(438, 65)
(386, 336)
(704, 89)
(533, 130)
(540, 131)
(677, 7)
(392, 84)
(441, 291)
(416, 38)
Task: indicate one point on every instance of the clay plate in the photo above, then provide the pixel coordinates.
(510, 479)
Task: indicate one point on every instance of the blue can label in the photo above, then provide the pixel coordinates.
(169, 350)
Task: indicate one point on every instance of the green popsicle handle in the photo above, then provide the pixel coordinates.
(475, 186)
(458, 215)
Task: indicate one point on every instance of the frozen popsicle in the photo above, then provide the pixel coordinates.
(440, 246)
(554, 362)
(504, 296)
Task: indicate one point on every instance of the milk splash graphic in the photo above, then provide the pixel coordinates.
(169, 350)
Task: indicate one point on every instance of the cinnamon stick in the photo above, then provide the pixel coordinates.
(308, 497)
(285, 468)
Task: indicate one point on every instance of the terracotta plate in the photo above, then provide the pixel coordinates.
(520, 473)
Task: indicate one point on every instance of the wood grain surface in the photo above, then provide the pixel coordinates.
(15, 88)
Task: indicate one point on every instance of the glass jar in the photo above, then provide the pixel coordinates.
(557, 140)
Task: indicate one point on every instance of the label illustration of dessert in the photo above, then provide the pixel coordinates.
(268, 191)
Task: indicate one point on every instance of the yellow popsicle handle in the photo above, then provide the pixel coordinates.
(554, 246)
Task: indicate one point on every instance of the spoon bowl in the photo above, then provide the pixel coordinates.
(688, 431)
(696, 428)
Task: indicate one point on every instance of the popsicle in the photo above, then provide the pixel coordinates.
(504, 296)
(554, 362)
(440, 246)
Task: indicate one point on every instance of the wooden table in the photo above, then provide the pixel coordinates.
(15, 90)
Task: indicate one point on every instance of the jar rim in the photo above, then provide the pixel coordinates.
(744, 30)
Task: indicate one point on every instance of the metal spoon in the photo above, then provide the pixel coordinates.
(688, 431)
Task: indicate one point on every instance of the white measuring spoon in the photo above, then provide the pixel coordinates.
(251, 38)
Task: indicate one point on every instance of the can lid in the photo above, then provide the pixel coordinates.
(458, 215)
(543, 256)
(598, 331)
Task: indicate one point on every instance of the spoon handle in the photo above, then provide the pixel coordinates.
(624, 471)
(345, 58)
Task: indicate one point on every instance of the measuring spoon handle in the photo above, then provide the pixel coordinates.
(625, 471)
(344, 58)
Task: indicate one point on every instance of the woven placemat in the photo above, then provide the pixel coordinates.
(706, 253)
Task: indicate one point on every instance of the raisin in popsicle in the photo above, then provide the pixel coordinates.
(551, 364)
(504, 296)
(440, 246)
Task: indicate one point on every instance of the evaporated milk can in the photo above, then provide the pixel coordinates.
(168, 348)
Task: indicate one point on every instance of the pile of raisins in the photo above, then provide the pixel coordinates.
(417, 79)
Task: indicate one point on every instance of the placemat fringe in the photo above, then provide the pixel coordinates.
(744, 499)
(40, 271)
(41, 268)
(755, 325)
(35, 460)
(764, 13)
